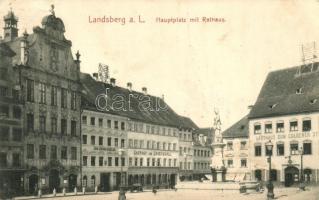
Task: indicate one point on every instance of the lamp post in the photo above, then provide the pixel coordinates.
(270, 186)
(122, 191)
(301, 184)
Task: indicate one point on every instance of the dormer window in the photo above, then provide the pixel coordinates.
(273, 106)
(313, 101)
(299, 90)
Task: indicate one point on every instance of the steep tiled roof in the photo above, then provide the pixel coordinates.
(239, 129)
(5, 50)
(186, 122)
(205, 131)
(288, 92)
(132, 108)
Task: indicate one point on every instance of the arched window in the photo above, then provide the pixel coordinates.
(93, 181)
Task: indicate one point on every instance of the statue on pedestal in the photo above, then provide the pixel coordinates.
(218, 168)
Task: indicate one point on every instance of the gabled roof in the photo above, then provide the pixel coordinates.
(238, 130)
(288, 92)
(209, 131)
(132, 101)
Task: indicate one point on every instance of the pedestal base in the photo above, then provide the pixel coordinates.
(219, 175)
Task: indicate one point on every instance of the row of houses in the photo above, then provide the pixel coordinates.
(285, 114)
(60, 127)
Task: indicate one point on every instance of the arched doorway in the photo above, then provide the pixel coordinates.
(130, 179)
(148, 179)
(93, 181)
(258, 174)
(85, 181)
(33, 183)
(291, 175)
(54, 179)
(72, 182)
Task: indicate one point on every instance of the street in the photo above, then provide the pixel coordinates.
(312, 193)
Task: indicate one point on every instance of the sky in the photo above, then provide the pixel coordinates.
(196, 66)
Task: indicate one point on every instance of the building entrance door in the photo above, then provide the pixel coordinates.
(54, 180)
(105, 182)
(33, 184)
(291, 176)
(72, 182)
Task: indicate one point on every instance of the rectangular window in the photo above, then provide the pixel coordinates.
(93, 161)
(16, 160)
(3, 159)
(116, 125)
(15, 94)
(100, 161)
(243, 162)
(4, 133)
(100, 122)
(148, 162)
(307, 150)
(243, 144)
(53, 153)
(73, 153)
(17, 134)
(153, 162)
(116, 142)
(141, 161)
(294, 149)
(109, 160)
(63, 127)
(92, 140)
(42, 152)
(257, 129)
(84, 139)
(306, 125)
(122, 143)
(229, 145)
(280, 150)
(268, 128)
(130, 161)
(30, 122)
(64, 152)
(16, 112)
(158, 162)
(4, 110)
(54, 96)
(73, 100)
(122, 161)
(84, 120)
(42, 91)
(73, 128)
(116, 161)
(230, 163)
(30, 90)
(54, 125)
(92, 121)
(280, 127)
(109, 123)
(85, 160)
(100, 140)
(122, 126)
(3, 91)
(109, 141)
(42, 122)
(64, 99)
(294, 126)
(257, 150)
(30, 151)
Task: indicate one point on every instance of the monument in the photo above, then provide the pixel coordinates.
(217, 166)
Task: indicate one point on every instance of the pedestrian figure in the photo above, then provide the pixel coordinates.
(154, 190)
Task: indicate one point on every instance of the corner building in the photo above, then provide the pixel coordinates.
(286, 113)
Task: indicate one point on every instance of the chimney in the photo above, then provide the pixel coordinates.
(129, 86)
(113, 81)
(96, 76)
(144, 90)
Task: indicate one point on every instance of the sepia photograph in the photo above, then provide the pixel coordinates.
(146, 99)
